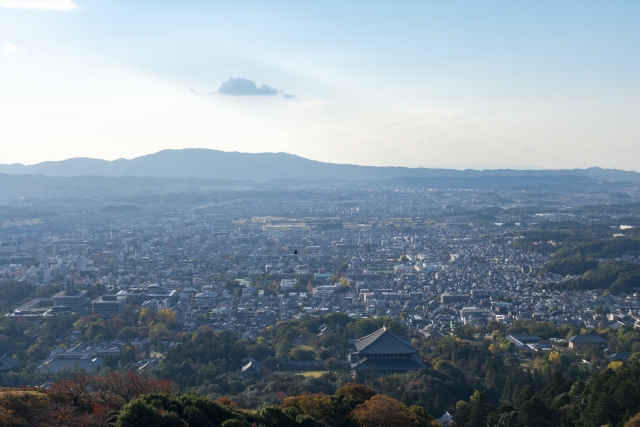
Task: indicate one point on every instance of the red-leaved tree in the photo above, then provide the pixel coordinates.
(119, 388)
(71, 388)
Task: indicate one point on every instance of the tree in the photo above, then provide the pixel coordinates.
(317, 406)
(358, 391)
(166, 316)
(382, 411)
(283, 348)
(272, 416)
(556, 385)
(139, 413)
(259, 351)
(532, 411)
(302, 354)
(473, 413)
(225, 401)
(8, 418)
(422, 418)
(127, 354)
(331, 364)
(615, 365)
(72, 388)
(555, 358)
(495, 348)
(169, 410)
(23, 408)
(273, 288)
(480, 409)
(119, 388)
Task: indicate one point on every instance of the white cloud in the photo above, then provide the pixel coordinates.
(9, 48)
(60, 5)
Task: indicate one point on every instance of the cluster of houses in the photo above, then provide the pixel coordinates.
(424, 258)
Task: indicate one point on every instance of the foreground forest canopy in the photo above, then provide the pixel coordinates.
(128, 399)
(480, 382)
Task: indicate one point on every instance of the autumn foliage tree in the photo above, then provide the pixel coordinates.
(72, 388)
(119, 388)
(35, 407)
(317, 406)
(357, 391)
(22, 408)
(225, 401)
(382, 411)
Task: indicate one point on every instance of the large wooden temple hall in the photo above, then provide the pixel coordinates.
(388, 352)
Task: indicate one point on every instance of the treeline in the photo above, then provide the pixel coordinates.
(132, 400)
(617, 277)
(608, 398)
(606, 248)
(13, 293)
(576, 238)
(81, 400)
(574, 265)
(576, 249)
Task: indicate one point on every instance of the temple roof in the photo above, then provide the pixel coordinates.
(383, 341)
(410, 364)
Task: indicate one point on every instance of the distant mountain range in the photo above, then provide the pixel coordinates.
(261, 167)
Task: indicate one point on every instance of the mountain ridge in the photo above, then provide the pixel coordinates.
(232, 165)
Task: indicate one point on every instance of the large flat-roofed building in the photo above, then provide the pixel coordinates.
(73, 300)
(109, 305)
(70, 299)
(144, 293)
(388, 352)
(77, 357)
(206, 298)
(581, 342)
(35, 307)
(452, 298)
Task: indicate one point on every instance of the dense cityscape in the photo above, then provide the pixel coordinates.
(296, 280)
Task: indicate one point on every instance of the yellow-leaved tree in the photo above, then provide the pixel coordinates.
(166, 316)
(555, 358)
(615, 365)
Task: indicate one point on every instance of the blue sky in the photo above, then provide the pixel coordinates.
(527, 84)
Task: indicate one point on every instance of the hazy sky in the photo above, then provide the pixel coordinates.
(481, 83)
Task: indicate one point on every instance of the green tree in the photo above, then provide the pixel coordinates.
(302, 354)
(138, 413)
